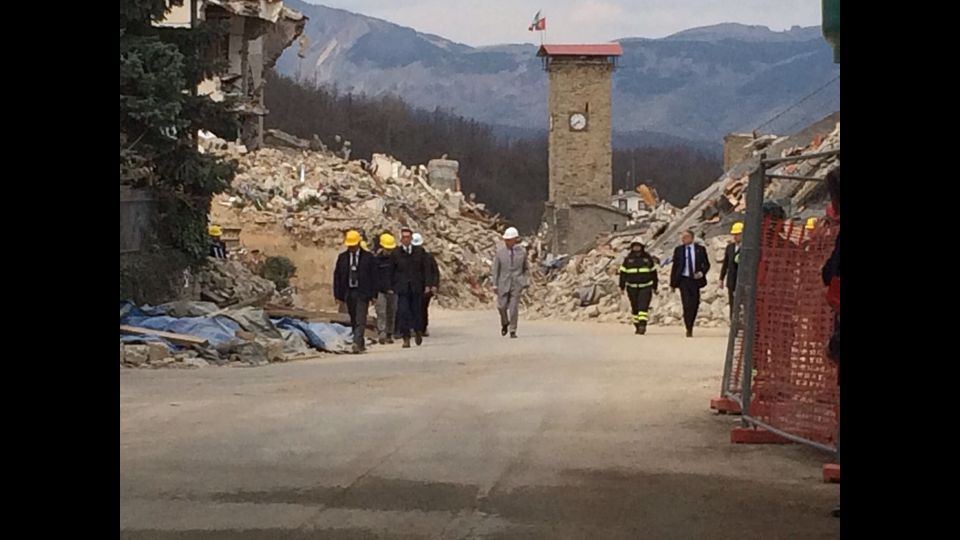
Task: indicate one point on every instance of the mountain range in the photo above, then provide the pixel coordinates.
(692, 87)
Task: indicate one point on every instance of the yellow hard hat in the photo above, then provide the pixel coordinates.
(387, 241)
(737, 228)
(215, 231)
(352, 239)
(811, 224)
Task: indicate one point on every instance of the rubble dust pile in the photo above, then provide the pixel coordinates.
(584, 286)
(317, 196)
(228, 282)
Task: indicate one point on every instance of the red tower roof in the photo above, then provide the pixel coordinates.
(600, 49)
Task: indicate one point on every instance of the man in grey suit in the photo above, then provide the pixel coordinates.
(511, 275)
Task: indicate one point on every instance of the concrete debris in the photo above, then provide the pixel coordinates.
(195, 362)
(229, 282)
(275, 137)
(157, 352)
(135, 355)
(235, 336)
(443, 174)
(208, 143)
(712, 211)
(586, 288)
(563, 281)
(382, 195)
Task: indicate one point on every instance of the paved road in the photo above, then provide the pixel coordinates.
(572, 431)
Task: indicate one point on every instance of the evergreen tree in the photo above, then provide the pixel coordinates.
(160, 115)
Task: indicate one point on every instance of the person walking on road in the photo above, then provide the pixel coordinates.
(731, 263)
(355, 284)
(638, 277)
(386, 298)
(433, 284)
(689, 274)
(511, 275)
(410, 278)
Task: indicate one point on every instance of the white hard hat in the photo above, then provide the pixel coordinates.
(417, 239)
(511, 233)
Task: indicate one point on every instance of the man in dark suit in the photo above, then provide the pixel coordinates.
(411, 275)
(731, 263)
(433, 284)
(355, 284)
(689, 274)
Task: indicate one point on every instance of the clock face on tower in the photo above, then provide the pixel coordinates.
(578, 121)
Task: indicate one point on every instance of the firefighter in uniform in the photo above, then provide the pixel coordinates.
(638, 277)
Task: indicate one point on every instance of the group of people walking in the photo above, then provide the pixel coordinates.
(399, 279)
(688, 273)
(402, 279)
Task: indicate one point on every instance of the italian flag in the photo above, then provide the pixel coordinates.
(539, 23)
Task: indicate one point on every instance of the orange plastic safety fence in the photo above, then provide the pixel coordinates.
(794, 383)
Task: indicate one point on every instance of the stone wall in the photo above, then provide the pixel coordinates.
(580, 162)
(442, 174)
(576, 227)
(735, 149)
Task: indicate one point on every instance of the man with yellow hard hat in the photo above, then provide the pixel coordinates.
(731, 263)
(218, 248)
(386, 297)
(355, 284)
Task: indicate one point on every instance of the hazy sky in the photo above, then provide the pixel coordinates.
(489, 22)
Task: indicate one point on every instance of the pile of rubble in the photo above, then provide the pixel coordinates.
(585, 286)
(188, 334)
(317, 196)
(229, 282)
(712, 211)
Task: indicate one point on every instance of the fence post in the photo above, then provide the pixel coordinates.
(735, 312)
(750, 255)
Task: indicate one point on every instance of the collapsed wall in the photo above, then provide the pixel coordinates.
(584, 286)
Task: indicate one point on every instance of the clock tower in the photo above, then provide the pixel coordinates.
(580, 147)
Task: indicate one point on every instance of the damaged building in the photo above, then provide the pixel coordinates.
(257, 32)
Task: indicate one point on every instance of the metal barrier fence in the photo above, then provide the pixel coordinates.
(776, 373)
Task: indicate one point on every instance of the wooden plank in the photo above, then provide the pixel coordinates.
(316, 316)
(237, 305)
(179, 339)
(293, 313)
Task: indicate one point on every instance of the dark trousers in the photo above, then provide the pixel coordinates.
(640, 303)
(357, 307)
(425, 312)
(690, 297)
(730, 291)
(409, 317)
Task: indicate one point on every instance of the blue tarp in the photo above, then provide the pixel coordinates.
(222, 330)
(322, 336)
(218, 331)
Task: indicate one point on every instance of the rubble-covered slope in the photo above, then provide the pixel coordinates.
(585, 286)
(315, 196)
